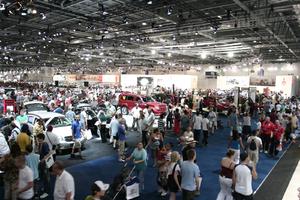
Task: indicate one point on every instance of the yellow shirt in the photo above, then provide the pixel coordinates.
(23, 140)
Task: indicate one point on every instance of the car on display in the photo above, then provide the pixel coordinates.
(220, 104)
(61, 127)
(164, 98)
(32, 106)
(91, 116)
(127, 101)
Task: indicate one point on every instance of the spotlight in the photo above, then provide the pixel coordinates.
(169, 11)
(153, 52)
(144, 24)
(34, 11)
(2, 6)
(43, 16)
(169, 55)
(149, 2)
(230, 54)
(203, 55)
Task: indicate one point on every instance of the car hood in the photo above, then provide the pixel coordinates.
(62, 131)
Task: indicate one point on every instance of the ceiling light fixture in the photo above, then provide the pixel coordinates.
(43, 16)
(169, 11)
(203, 55)
(153, 52)
(149, 2)
(2, 6)
(169, 55)
(230, 54)
(144, 24)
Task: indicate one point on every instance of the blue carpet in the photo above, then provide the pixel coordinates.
(208, 159)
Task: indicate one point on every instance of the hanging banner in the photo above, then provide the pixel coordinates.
(262, 81)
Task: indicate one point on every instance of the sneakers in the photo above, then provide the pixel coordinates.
(164, 193)
(43, 196)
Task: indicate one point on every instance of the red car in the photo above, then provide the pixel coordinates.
(213, 102)
(128, 100)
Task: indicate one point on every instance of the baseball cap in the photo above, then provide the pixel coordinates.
(102, 185)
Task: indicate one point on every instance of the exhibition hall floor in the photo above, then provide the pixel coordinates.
(101, 164)
(208, 159)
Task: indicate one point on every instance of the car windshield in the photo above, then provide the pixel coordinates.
(59, 122)
(148, 99)
(36, 107)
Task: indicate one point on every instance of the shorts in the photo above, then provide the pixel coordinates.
(77, 143)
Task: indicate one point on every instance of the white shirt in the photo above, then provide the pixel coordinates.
(197, 122)
(63, 185)
(247, 121)
(4, 148)
(278, 107)
(51, 139)
(146, 113)
(136, 112)
(171, 167)
(25, 176)
(205, 123)
(151, 119)
(243, 180)
(257, 140)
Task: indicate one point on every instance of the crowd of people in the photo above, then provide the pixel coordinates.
(28, 158)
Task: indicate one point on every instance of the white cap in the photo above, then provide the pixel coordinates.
(102, 186)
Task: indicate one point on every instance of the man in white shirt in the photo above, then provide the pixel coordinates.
(136, 115)
(197, 123)
(114, 125)
(242, 179)
(150, 119)
(64, 188)
(52, 140)
(25, 183)
(254, 144)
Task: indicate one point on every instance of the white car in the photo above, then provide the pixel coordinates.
(61, 126)
(32, 106)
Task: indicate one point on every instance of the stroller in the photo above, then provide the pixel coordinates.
(124, 186)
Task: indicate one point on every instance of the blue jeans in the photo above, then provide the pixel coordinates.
(140, 175)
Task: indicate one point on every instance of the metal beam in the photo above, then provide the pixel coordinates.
(244, 7)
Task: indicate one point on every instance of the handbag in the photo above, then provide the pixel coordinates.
(87, 134)
(171, 181)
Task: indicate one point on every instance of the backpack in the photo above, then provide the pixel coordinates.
(252, 145)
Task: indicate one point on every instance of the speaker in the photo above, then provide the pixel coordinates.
(86, 84)
(56, 83)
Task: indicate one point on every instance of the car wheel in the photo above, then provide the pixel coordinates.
(124, 110)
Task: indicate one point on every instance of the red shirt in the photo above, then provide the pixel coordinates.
(278, 131)
(267, 127)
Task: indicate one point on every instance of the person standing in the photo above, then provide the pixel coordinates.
(161, 124)
(114, 126)
(212, 117)
(197, 123)
(235, 144)
(33, 161)
(23, 139)
(267, 128)
(173, 175)
(276, 138)
(76, 131)
(205, 123)
(136, 115)
(22, 118)
(170, 118)
(242, 179)
(70, 114)
(52, 140)
(184, 121)
(143, 124)
(150, 119)
(225, 177)
(139, 157)
(64, 188)
(25, 183)
(246, 125)
(176, 128)
(121, 139)
(155, 141)
(44, 153)
(254, 144)
(190, 172)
